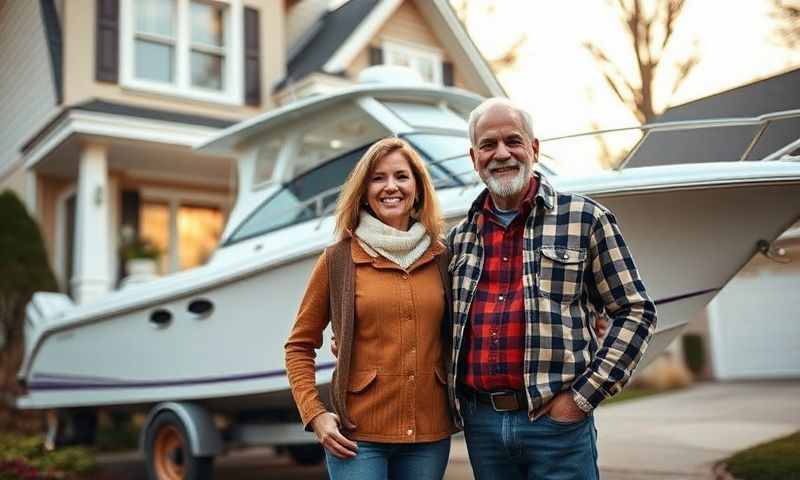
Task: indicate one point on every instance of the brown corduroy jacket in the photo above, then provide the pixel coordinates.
(392, 327)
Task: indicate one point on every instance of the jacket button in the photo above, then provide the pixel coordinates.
(409, 431)
(411, 378)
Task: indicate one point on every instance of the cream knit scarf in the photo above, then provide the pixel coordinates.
(402, 248)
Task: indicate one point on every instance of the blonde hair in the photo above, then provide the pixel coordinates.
(354, 190)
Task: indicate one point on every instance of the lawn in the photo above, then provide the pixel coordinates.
(776, 460)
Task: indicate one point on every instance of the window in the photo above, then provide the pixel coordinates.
(447, 156)
(425, 61)
(420, 115)
(186, 233)
(183, 47)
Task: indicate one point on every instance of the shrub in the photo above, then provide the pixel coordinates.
(694, 353)
(25, 457)
(24, 270)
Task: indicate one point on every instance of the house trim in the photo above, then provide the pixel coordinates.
(77, 122)
(361, 37)
(464, 41)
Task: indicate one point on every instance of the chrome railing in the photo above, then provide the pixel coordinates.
(319, 209)
(762, 121)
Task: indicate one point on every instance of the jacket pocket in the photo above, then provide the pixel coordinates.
(359, 381)
(561, 272)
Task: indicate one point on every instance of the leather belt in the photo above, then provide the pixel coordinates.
(500, 400)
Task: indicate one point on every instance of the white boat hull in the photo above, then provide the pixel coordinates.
(688, 239)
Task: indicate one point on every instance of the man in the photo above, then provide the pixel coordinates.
(532, 270)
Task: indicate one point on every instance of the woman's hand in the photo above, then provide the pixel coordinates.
(326, 428)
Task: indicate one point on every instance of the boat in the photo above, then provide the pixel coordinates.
(213, 336)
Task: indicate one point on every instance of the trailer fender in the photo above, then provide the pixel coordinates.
(204, 437)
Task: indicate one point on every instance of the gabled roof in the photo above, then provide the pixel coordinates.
(324, 37)
(773, 94)
(339, 35)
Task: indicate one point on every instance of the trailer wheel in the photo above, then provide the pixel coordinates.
(310, 454)
(168, 455)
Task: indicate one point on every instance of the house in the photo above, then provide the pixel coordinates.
(752, 327)
(103, 100)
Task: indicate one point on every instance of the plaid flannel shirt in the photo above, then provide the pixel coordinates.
(494, 339)
(575, 263)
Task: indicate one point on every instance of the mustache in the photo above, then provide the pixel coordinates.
(495, 164)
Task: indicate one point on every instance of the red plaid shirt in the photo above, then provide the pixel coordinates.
(495, 338)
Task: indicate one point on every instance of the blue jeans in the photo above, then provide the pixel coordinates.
(397, 461)
(507, 446)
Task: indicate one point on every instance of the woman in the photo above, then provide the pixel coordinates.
(382, 286)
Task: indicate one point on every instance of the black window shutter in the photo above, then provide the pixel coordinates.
(375, 56)
(252, 65)
(131, 205)
(447, 74)
(106, 50)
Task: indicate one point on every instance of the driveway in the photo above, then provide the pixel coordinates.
(666, 437)
(682, 434)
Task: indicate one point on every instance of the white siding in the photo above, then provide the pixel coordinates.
(27, 96)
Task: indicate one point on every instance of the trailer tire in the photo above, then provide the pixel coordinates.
(168, 454)
(309, 454)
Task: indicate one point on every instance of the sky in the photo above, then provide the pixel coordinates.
(559, 83)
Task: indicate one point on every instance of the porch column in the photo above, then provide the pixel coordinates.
(92, 276)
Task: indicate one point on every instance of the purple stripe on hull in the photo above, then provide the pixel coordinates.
(73, 383)
(676, 298)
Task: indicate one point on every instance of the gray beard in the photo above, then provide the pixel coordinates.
(506, 188)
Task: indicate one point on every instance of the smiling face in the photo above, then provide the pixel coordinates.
(503, 155)
(391, 190)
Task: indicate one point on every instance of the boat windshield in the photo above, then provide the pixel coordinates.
(313, 194)
(447, 156)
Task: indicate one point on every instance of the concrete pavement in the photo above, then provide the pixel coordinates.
(683, 434)
(665, 437)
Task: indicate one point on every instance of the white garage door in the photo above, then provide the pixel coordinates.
(755, 322)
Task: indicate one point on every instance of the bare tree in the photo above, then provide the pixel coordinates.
(650, 33)
(787, 14)
(509, 56)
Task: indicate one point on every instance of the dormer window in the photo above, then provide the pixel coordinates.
(183, 48)
(427, 62)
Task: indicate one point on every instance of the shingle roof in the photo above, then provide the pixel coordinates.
(323, 40)
(776, 93)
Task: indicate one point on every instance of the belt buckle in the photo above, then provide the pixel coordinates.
(494, 405)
